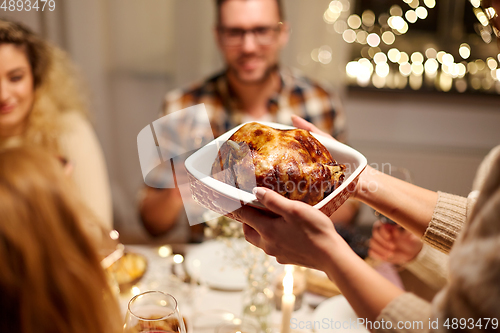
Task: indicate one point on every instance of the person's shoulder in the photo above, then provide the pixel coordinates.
(193, 94)
(73, 119)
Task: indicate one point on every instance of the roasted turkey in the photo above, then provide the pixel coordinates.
(290, 162)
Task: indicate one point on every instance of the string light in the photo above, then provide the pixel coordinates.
(368, 18)
(388, 38)
(411, 16)
(431, 53)
(354, 21)
(361, 37)
(439, 67)
(421, 13)
(430, 3)
(417, 57)
(403, 58)
(492, 63)
(349, 36)
(394, 55)
(464, 50)
(373, 40)
(380, 58)
(431, 66)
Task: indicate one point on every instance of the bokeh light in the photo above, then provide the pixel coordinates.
(492, 63)
(404, 29)
(472, 67)
(480, 64)
(382, 69)
(414, 4)
(403, 58)
(325, 54)
(354, 21)
(394, 55)
(395, 10)
(430, 3)
(416, 81)
(431, 66)
(417, 57)
(431, 53)
(340, 27)
(388, 38)
(373, 40)
(411, 16)
(440, 55)
(464, 50)
(349, 36)
(405, 69)
(368, 18)
(445, 82)
(380, 58)
(421, 13)
(417, 68)
(396, 22)
(361, 37)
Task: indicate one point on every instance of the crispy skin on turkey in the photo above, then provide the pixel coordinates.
(290, 162)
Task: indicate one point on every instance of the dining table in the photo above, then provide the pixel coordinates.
(209, 303)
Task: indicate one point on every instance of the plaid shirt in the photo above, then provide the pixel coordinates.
(298, 95)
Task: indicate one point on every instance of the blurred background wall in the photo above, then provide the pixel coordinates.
(131, 53)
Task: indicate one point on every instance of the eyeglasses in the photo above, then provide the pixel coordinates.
(265, 35)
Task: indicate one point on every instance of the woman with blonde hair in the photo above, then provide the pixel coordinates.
(50, 277)
(41, 105)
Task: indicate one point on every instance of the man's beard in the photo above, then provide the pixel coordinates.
(265, 76)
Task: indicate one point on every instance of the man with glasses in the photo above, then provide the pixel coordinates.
(250, 35)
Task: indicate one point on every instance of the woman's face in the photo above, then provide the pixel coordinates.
(16, 90)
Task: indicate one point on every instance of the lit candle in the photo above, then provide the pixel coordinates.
(288, 299)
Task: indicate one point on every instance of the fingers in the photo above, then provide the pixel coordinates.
(377, 251)
(253, 217)
(304, 124)
(251, 235)
(275, 202)
(382, 241)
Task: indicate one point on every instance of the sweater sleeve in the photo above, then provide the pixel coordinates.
(447, 220)
(406, 309)
(430, 266)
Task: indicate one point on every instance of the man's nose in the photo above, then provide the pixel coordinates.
(249, 42)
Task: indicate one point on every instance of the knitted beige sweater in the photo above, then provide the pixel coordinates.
(473, 290)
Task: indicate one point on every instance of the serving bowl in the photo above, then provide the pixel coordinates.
(211, 193)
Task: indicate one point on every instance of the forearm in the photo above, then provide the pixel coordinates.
(159, 210)
(365, 289)
(407, 204)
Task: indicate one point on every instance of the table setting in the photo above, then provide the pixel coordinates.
(208, 305)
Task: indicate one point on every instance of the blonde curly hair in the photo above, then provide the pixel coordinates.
(56, 87)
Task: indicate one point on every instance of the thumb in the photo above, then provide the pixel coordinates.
(273, 201)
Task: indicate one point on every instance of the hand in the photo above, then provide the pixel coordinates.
(393, 244)
(304, 124)
(300, 234)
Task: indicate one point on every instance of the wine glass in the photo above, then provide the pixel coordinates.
(153, 312)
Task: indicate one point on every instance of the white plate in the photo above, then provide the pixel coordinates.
(200, 163)
(333, 313)
(209, 261)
